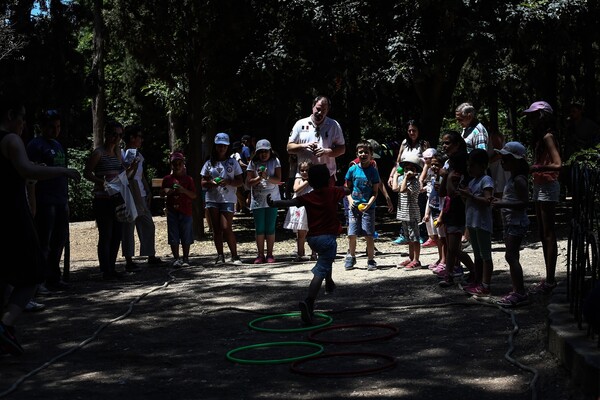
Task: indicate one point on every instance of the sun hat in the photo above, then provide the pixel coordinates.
(539, 106)
(263, 144)
(376, 148)
(177, 156)
(222, 138)
(430, 152)
(515, 149)
(412, 159)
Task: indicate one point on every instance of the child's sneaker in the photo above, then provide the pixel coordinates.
(446, 282)
(259, 259)
(433, 266)
(400, 240)
(349, 262)
(441, 268)
(413, 266)
(542, 288)
(429, 243)
(371, 265)
(306, 312)
(457, 272)
(404, 263)
(513, 299)
(477, 290)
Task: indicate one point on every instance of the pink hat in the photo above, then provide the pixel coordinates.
(177, 156)
(540, 105)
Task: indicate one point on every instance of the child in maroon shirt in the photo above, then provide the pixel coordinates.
(323, 229)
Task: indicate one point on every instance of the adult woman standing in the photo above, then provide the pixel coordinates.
(22, 270)
(412, 144)
(104, 164)
(546, 188)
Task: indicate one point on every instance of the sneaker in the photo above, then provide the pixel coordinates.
(260, 260)
(8, 340)
(306, 312)
(413, 266)
(313, 257)
(185, 262)
(441, 268)
(177, 263)
(429, 243)
(132, 267)
(458, 272)
(371, 265)
(349, 262)
(433, 266)
(404, 263)
(513, 299)
(541, 288)
(477, 290)
(270, 259)
(33, 306)
(236, 260)
(329, 287)
(42, 290)
(220, 260)
(400, 240)
(447, 282)
(421, 241)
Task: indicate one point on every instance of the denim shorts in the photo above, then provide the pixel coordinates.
(549, 191)
(222, 207)
(450, 229)
(180, 228)
(515, 230)
(326, 248)
(361, 223)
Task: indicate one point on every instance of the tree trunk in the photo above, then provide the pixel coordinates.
(96, 77)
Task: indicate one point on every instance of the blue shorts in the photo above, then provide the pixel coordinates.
(180, 229)
(549, 191)
(222, 207)
(361, 223)
(515, 230)
(326, 248)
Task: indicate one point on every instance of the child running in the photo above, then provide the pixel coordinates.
(410, 215)
(478, 197)
(363, 181)
(221, 176)
(295, 218)
(321, 206)
(263, 177)
(180, 190)
(514, 217)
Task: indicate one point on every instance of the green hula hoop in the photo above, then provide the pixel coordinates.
(327, 318)
(274, 361)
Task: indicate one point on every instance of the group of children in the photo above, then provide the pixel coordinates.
(460, 196)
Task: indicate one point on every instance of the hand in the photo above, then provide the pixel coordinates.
(73, 174)
(390, 205)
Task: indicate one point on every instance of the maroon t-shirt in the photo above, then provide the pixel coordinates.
(179, 202)
(322, 210)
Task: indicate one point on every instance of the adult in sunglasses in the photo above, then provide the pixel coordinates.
(318, 138)
(104, 164)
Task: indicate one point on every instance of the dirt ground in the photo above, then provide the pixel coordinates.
(164, 333)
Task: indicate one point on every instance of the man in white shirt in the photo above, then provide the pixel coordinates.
(318, 138)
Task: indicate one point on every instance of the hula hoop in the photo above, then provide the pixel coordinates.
(273, 344)
(393, 332)
(294, 367)
(252, 324)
